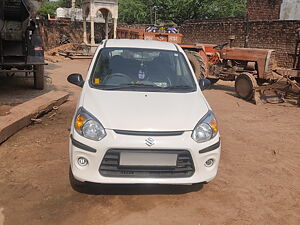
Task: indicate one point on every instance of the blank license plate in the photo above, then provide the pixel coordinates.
(147, 159)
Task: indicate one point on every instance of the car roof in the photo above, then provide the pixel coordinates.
(137, 43)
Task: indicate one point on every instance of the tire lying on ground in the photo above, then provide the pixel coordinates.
(197, 64)
(39, 77)
(245, 84)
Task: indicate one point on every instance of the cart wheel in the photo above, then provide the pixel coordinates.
(197, 64)
(39, 77)
(244, 86)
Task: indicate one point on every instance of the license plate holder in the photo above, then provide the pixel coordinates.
(148, 159)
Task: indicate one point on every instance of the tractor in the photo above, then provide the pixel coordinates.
(250, 68)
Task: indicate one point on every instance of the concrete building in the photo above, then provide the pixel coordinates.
(290, 10)
(109, 10)
(75, 14)
(260, 10)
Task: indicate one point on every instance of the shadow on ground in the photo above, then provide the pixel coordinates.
(17, 89)
(137, 189)
(223, 88)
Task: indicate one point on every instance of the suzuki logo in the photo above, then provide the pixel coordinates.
(149, 141)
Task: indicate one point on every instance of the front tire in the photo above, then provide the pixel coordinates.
(76, 184)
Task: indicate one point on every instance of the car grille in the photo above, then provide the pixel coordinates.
(110, 166)
(149, 133)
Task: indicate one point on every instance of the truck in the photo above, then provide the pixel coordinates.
(21, 46)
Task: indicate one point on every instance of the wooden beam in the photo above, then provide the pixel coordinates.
(21, 115)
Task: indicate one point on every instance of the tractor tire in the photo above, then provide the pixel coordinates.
(39, 77)
(197, 64)
(245, 84)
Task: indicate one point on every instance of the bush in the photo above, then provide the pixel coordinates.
(49, 8)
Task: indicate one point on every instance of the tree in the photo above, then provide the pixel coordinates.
(133, 11)
(222, 8)
(180, 10)
(49, 8)
(65, 3)
(68, 3)
(177, 10)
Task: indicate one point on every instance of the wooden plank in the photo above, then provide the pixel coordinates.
(81, 57)
(15, 71)
(20, 116)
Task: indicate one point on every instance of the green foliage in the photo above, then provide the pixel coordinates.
(144, 11)
(49, 8)
(79, 3)
(133, 11)
(223, 8)
(137, 11)
(65, 3)
(68, 3)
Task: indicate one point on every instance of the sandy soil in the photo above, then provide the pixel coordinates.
(258, 180)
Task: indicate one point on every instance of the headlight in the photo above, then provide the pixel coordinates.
(88, 126)
(206, 129)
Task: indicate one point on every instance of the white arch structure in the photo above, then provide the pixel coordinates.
(106, 7)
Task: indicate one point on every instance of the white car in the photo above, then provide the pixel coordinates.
(142, 118)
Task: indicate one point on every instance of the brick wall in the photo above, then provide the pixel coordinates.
(263, 9)
(54, 31)
(278, 35)
(133, 26)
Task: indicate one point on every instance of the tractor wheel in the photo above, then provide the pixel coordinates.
(39, 77)
(244, 86)
(197, 64)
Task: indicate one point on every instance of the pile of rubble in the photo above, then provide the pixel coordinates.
(69, 50)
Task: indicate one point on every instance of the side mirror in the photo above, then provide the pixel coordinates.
(76, 78)
(204, 84)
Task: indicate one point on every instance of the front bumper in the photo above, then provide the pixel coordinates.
(94, 152)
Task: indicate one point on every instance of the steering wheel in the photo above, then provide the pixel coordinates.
(169, 82)
(221, 46)
(166, 80)
(111, 79)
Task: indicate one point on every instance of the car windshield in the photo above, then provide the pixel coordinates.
(142, 70)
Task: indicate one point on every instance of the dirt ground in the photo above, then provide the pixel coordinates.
(258, 180)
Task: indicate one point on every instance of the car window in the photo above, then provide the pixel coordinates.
(151, 69)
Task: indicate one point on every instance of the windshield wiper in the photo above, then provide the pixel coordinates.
(129, 85)
(141, 85)
(180, 87)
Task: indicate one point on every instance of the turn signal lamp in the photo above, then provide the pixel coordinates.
(206, 129)
(88, 126)
(80, 120)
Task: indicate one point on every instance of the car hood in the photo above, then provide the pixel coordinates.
(145, 111)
